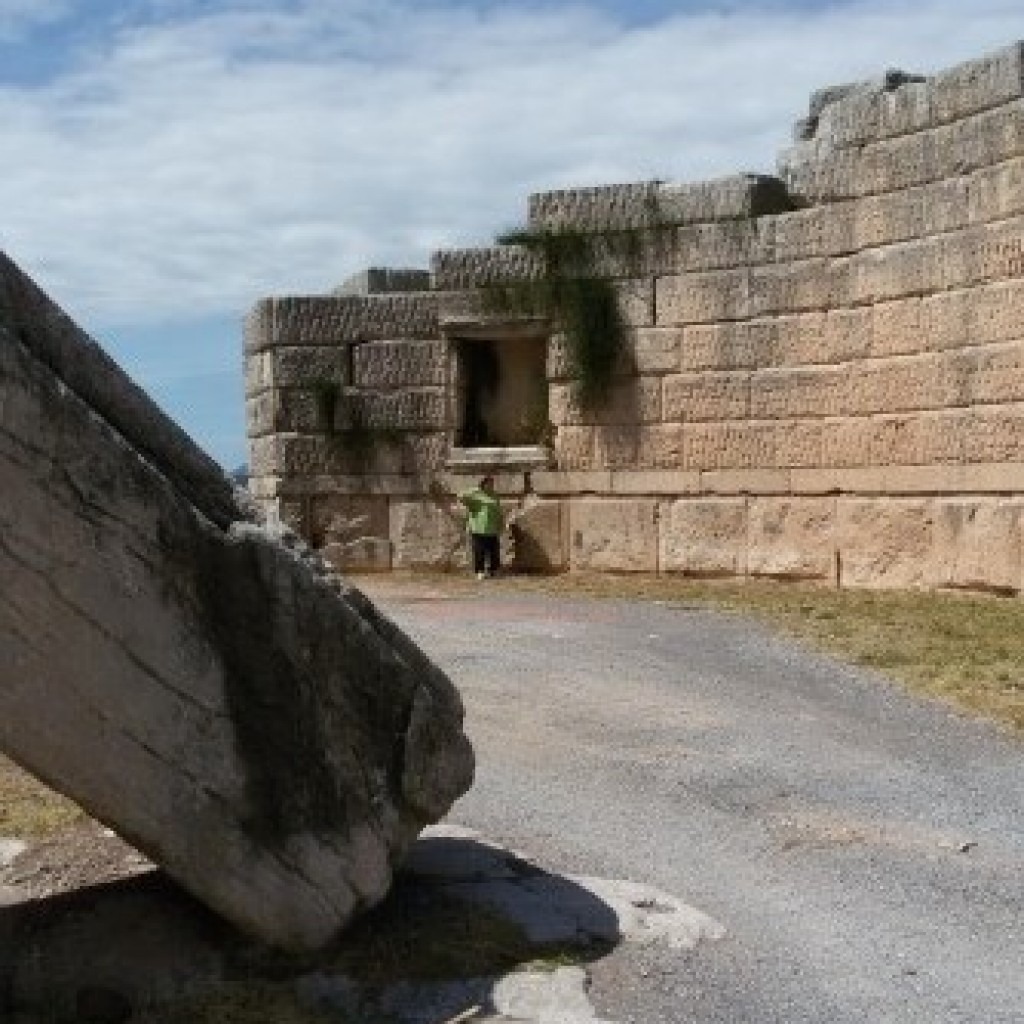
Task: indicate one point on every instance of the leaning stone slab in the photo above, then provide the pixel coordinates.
(214, 694)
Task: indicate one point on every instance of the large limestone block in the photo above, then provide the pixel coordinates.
(539, 537)
(212, 694)
(629, 401)
(617, 445)
(705, 536)
(305, 366)
(978, 544)
(328, 320)
(994, 434)
(28, 314)
(706, 396)
(574, 448)
(400, 364)
(995, 374)
(815, 232)
(656, 350)
(729, 346)
(897, 271)
(995, 193)
(382, 280)
(454, 269)
(790, 393)
(803, 285)
(977, 85)
(642, 204)
(994, 312)
(724, 244)
(885, 542)
(892, 217)
(730, 445)
(616, 535)
(904, 326)
(791, 537)
(662, 446)
(345, 517)
(428, 534)
(703, 298)
(799, 443)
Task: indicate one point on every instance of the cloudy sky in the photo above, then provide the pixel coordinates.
(167, 162)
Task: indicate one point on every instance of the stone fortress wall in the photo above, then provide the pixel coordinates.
(824, 378)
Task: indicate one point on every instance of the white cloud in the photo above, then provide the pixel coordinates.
(246, 148)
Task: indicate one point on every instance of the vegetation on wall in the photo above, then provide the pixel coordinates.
(357, 437)
(572, 291)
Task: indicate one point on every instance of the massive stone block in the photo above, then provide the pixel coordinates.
(209, 690)
(791, 537)
(884, 542)
(616, 534)
(705, 537)
(978, 544)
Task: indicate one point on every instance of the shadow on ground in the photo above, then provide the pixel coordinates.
(463, 922)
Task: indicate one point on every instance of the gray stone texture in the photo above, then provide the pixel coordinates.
(28, 315)
(647, 204)
(325, 320)
(383, 281)
(211, 692)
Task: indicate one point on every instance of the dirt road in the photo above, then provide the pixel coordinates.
(864, 850)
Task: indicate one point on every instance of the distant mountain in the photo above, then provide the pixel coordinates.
(240, 474)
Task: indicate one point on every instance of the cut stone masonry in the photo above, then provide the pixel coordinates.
(821, 376)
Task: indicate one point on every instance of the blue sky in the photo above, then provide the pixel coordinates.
(167, 162)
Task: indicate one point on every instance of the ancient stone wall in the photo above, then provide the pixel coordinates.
(824, 376)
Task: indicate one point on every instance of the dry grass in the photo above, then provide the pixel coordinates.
(966, 649)
(29, 810)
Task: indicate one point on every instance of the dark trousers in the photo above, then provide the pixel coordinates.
(486, 552)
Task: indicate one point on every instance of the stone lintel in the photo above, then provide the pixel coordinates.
(484, 460)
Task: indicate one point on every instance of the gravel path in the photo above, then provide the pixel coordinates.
(864, 850)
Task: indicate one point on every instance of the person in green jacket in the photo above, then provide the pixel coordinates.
(486, 521)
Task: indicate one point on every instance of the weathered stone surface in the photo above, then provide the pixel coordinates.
(210, 693)
(383, 280)
(816, 173)
(395, 364)
(27, 314)
(645, 204)
(326, 320)
(706, 396)
(539, 537)
(457, 269)
(360, 554)
(884, 543)
(346, 517)
(704, 536)
(428, 534)
(791, 538)
(617, 445)
(978, 544)
(616, 534)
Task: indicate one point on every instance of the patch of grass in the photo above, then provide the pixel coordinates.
(967, 649)
(28, 809)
